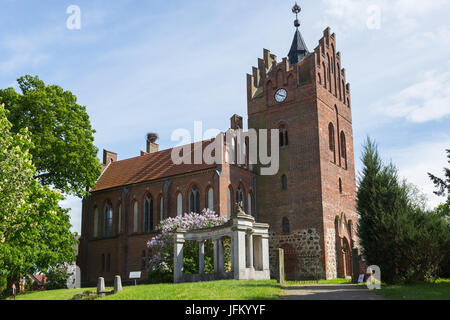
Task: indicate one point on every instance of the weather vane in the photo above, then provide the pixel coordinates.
(296, 9)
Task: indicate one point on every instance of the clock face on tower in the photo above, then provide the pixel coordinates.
(281, 95)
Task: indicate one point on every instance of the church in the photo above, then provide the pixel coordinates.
(310, 203)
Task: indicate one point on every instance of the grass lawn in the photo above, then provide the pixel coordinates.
(63, 294)
(423, 291)
(215, 290)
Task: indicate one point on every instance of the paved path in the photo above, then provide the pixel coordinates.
(330, 292)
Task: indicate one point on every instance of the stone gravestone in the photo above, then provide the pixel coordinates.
(101, 285)
(281, 275)
(117, 284)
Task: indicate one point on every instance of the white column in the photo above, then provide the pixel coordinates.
(220, 258)
(239, 253)
(201, 256)
(265, 252)
(216, 262)
(250, 250)
(178, 257)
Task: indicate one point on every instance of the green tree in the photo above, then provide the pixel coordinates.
(396, 233)
(443, 186)
(63, 150)
(34, 231)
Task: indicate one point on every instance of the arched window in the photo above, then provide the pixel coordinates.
(284, 137)
(229, 202)
(348, 102)
(119, 219)
(286, 225)
(148, 214)
(249, 204)
(96, 223)
(324, 74)
(343, 90)
(344, 148)
(319, 78)
(283, 182)
(135, 217)
(194, 200)
(108, 220)
(240, 196)
(180, 205)
(331, 141)
(211, 199)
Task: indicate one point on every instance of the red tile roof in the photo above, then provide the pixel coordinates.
(146, 168)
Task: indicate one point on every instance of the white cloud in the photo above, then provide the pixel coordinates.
(421, 102)
(403, 14)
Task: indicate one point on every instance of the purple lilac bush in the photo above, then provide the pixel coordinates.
(161, 246)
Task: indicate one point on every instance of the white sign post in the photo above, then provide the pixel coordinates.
(135, 275)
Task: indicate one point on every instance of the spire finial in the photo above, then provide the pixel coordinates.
(296, 9)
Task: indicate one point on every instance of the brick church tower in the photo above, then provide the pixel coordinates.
(310, 204)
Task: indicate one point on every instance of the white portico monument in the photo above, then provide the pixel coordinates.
(249, 250)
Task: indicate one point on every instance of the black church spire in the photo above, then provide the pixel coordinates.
(298, 48)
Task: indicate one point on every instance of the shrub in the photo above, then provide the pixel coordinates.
(407, 243)
(57, 278)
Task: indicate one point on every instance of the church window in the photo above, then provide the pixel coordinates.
(161, 208)
(283, 182)
(340, 186)
(108, 220)
(284, 138)
(194, 200)
(344, 148)
(135, 217)
(331, 141)
(148, 214)
(240, 196)
(286, 225)
(119, 219)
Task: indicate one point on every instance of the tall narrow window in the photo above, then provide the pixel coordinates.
(148, 214)
(96, 223)
(240, 197)
(194, 200)
(331, 141)
(284, 138)
(283, 182)
(108, 220)
(286, 225)
(340, 185)
(135, 217)
(211, 199)
(229, 202)
(324, 74)
(344, 149)
(179, 205)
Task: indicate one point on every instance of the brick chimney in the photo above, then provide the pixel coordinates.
(152, 146)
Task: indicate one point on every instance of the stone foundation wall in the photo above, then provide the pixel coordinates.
(331, 254)
(302, 254)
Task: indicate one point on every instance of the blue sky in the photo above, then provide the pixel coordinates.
(143, 66)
